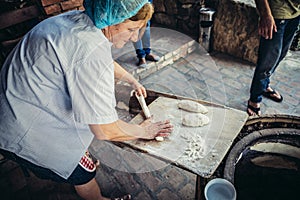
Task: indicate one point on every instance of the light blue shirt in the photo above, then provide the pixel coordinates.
(57, 80)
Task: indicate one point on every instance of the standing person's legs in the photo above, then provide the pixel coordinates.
(289, 34)
(147, 45)
(140, 52)
(138, 46)
(268, 58)
(146, 39)
(270, 53)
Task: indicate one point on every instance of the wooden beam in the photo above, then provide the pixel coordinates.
(18, 16)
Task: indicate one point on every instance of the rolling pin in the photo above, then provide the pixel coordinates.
(146, 111)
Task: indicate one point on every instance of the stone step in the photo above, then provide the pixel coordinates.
(170, 45)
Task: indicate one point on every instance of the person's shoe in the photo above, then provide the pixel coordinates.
(253, 110)
(273, 95)
(142, 63)
(152, 57)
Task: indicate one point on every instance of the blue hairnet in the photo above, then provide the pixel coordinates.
(110, 12)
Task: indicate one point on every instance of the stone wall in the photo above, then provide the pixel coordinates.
(54, 7)
(235, 22)
(235, 29)
(181, 15)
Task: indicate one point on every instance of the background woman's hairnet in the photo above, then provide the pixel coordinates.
(110, 12)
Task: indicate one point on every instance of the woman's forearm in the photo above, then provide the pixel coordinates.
(122, 131)
(122, 75)
(118, 131)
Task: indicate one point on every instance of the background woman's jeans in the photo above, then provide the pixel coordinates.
(270, 53)
(142, 46)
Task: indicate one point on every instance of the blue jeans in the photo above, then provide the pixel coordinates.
(142, 46)
(270, 54)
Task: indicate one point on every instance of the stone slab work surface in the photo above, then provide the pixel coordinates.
(196, 149)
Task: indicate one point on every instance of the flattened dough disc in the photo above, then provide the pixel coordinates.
(192, 106)
(195, 120)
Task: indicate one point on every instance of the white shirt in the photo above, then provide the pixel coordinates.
(57, 80)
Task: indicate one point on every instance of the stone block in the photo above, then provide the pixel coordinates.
(150, 180)
(49, 2)
(171, 7)
(188, 191)
(167, 194)
(164, 19)
(168, 56)
(191, 49)
(159, 6)
(151, 68)
(53, 9)
(68, 5)
(235, 29)
(165, 63)
(143, 195)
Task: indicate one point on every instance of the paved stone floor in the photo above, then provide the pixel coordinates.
(184, 71)
(226, 80)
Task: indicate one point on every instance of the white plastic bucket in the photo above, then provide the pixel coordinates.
(219, 189)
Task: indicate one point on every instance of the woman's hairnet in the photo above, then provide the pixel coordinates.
(110, 12)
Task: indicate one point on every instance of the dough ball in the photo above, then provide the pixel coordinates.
(195, 120)
(192, 106)
(159, 139)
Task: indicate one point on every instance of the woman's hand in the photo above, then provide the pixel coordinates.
(152, 130)
(139, 89)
